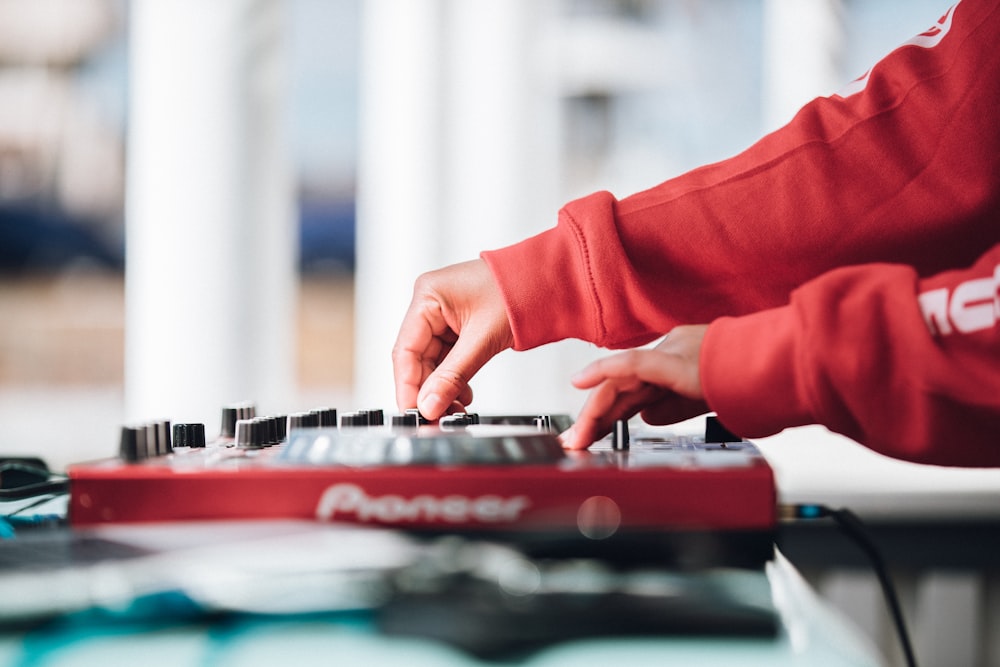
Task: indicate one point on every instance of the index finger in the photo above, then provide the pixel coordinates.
(449, 380)
(606, 404)
(416, 352)
(653, 366)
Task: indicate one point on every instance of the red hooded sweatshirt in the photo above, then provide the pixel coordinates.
(848, 262)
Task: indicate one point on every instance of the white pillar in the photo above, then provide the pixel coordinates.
(210, 215)
(458, 153)
(503, 174)
(399, 221)
(488, 103)
(802, 58)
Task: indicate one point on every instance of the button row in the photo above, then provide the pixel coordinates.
(242, 427)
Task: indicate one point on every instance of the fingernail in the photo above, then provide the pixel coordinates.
(433, 406)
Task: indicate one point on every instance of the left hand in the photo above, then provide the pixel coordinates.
(662, 383)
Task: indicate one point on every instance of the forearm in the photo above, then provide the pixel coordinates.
(907, 366)
(903, 172)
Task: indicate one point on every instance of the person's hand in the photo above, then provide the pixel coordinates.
(456, 322)
(663, 383)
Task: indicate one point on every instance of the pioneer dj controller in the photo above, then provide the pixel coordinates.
(469, 473)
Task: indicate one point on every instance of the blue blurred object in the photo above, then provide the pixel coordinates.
(326, 235)
(38, 237)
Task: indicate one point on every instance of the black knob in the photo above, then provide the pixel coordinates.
(407, 419)
(228, 428)
(268, 431)
(233, 413)
(154, 439)
(716, 432)
(420, 418)
(133, 443)
(619, 435)
(375, 417)
(250, 433)
(458, 419)
(281, 428)
(189, 435)
(325, 416)
(163, 440)
(354, 419)
(303, 420)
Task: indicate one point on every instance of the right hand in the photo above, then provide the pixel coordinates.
(456, 322)
(662, 383)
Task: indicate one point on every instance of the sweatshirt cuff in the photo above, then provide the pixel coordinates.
(749, 373)
(558, 299)
(542, 302)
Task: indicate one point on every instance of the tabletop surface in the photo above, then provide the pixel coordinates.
(814, 465)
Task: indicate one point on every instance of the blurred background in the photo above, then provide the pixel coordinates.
(207, 203)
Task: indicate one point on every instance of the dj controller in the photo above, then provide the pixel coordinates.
(707, 498)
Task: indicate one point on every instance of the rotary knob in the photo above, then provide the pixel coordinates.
(357, 419)
(301, 420)
(250, 433)
(158, 438)
(405, 420)
(145, 441)
(459, 419)
(409, 418)
(716, 432)
(619, 435)
(189, 435)
(132, 447)
(270, 430)
(232, 414)
(325, 417)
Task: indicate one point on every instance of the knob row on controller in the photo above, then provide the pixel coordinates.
(261, 431)
(317, 418)
(267, 431)
(362, 418)
(241, 426)
(156, 439)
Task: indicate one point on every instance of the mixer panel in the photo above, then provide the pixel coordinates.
(470, 473)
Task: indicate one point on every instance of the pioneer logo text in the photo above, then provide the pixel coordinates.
(346, 500)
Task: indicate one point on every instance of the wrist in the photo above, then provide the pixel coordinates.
(750, 375)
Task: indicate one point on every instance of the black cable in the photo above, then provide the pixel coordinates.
(32, 490)
(852, 525)
(27, 478)
(41, 500)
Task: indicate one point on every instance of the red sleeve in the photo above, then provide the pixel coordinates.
(909, 367)
(902, 169)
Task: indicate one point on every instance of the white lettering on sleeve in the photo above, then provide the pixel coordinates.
(934, 305)
(927, 39)
(973, 305)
